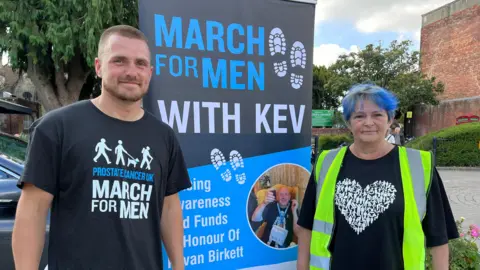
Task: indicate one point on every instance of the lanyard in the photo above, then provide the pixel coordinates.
(282, 213)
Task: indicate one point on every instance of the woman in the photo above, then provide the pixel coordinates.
(390, 135)
(373, 205)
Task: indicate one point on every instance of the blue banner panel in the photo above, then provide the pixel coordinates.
(234, 80)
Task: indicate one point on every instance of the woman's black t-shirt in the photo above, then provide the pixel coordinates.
(369, 207)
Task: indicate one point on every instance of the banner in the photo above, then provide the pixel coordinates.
(233, 79)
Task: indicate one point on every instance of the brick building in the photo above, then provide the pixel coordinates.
(450, 51)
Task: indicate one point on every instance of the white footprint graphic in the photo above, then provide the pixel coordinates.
(280, 68)
(226, 176)
(218, 160)
(296, 80)
(217, 157)
(241, 178)
(276, 42)
(236, 160)
(298, 55)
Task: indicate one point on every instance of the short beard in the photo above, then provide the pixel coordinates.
(123, 97)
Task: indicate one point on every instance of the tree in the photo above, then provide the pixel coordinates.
(395, 68)
(324, 97)
(55, 42)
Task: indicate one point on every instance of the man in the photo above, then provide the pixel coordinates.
(104, 214)
(280, 215)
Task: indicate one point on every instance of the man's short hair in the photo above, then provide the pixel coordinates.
(122, 30)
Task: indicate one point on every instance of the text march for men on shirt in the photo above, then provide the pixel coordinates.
(130, 199)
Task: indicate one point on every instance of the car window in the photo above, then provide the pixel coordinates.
(13, 149)
(3, 175)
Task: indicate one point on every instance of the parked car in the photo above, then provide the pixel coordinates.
(12, 158)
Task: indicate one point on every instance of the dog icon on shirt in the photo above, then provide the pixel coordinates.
(133, 162)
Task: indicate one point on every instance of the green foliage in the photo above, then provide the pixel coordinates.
(395, 68)
(457, 145)
(13, 148)
(338, 121)
(323, 98)
(327, 142)
(49, 39)
(50, 32)
(464, 251)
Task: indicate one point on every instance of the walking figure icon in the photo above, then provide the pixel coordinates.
(100, 149)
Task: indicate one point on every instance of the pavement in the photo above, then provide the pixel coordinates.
(463, 190)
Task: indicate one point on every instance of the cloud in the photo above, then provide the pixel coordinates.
(417, 35)
(327, 54)
(371, 16)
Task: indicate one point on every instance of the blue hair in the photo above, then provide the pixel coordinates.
(383, 98)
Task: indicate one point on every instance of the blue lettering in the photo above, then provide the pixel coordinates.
(255, 40)
(123, 173)
(230, 39)
(158, 62)
(194, 36)
(164, 34)
(256, 74)
(179, 64)
(192, 66)
(209, 73)
(234, 74)
(217, 36)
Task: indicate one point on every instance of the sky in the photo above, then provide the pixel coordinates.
(342, 26)
(349, 25)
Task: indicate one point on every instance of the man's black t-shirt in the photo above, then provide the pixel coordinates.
(271, 215)
(369, 207)
(109, 179)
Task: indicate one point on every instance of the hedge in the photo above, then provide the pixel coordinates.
(457, 146)
(327, 142)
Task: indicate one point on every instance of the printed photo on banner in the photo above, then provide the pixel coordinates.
(274, 205)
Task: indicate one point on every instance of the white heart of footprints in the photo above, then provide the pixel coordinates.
(235, 161)
(298, 57)
(361, 207)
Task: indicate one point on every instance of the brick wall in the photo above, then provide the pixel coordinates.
(432, 118)
(329, 131)
(450, 50)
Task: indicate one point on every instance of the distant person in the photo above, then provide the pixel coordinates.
(396, 132)
(390, 136)
(374, 205)
(393, 135)
(103, 216)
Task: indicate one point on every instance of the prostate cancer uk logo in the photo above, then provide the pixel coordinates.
(245, 46)
(130, 196)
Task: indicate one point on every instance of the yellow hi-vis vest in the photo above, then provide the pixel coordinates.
(416, 172)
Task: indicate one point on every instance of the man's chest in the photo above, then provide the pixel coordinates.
(113, 175)
(124, 160)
